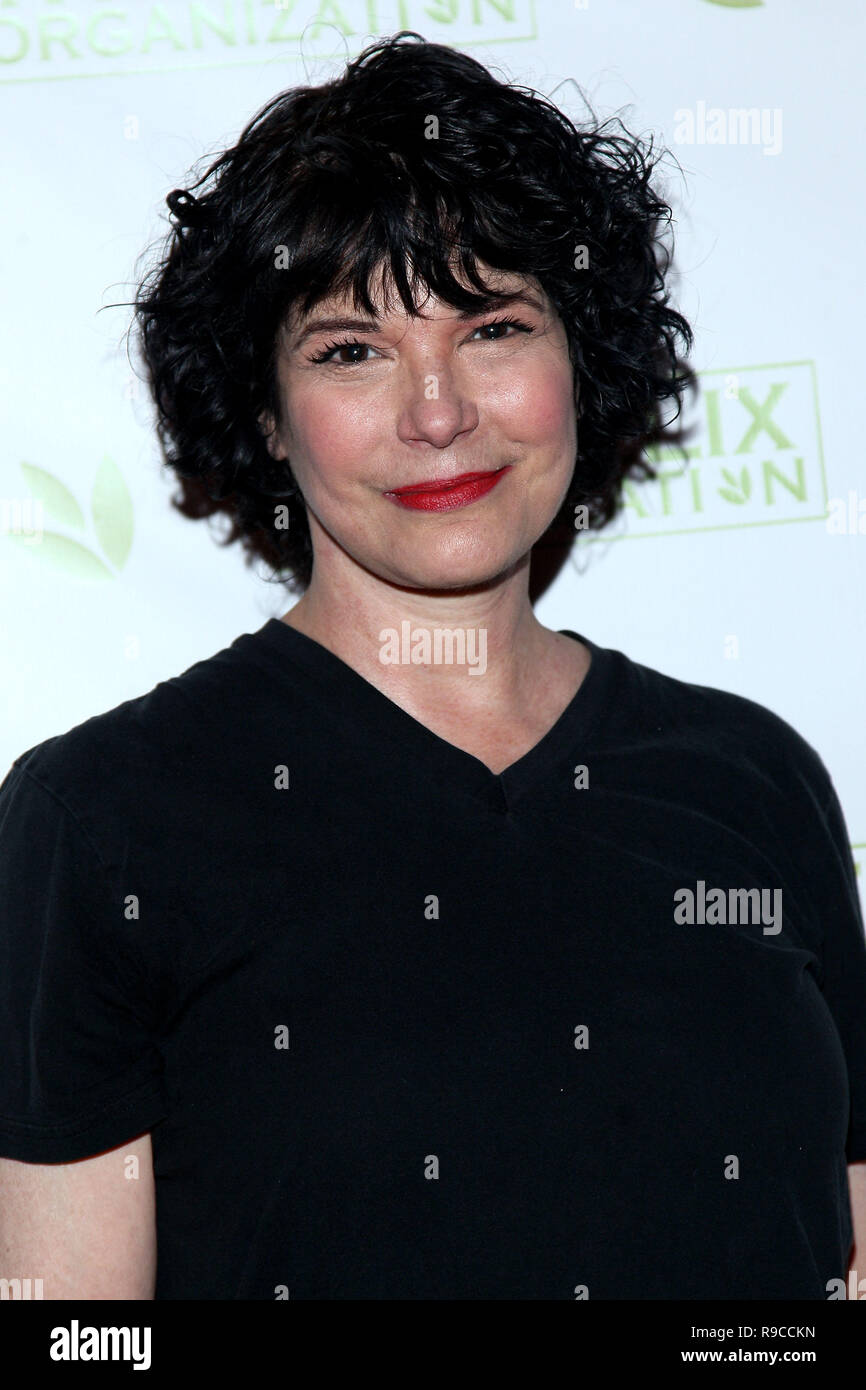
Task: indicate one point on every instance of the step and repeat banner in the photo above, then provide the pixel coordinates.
(743, 570)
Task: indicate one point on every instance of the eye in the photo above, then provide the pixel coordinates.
(326, 355)
(503, 323)
(353, 344)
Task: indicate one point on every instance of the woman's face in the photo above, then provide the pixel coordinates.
(423, 400)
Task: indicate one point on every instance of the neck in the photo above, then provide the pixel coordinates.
(475, 649)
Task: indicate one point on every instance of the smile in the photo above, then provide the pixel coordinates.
(443, 495)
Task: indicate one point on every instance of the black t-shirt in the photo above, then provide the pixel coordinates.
(403, 1028)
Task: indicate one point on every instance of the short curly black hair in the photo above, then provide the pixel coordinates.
(344, 178)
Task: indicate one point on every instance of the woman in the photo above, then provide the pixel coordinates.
(385, 981)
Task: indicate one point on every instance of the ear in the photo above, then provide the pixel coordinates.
(267, 429)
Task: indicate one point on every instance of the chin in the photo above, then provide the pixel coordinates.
(442, 573)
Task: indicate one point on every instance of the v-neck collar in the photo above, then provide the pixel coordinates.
(362, 708)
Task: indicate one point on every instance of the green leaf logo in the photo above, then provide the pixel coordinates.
(54, 496)
(740, 490)
(66, 554)
(111, 506)
(111, 513)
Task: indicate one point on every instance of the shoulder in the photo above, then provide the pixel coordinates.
(111, 766)
(723, 729)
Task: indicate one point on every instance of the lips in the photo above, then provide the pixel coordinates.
(441, 484)
(442, 494)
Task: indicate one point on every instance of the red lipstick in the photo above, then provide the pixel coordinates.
(441, 495)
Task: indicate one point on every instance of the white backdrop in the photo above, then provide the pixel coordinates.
(746, 573)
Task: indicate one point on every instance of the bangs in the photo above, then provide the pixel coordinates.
(387, 238)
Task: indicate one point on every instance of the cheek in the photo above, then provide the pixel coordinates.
(538, 407)
(328, 432)
(554, 411)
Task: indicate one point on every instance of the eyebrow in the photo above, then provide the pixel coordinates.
(341, 323)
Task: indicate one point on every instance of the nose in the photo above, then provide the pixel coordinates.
(436, 406)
